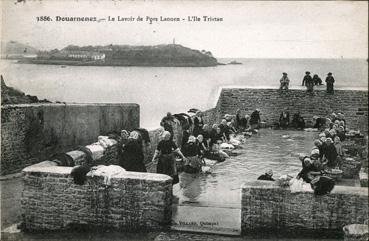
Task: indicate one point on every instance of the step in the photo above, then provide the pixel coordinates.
(205, 219)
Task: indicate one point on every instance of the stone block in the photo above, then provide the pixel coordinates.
(136, 201)
(268, 207)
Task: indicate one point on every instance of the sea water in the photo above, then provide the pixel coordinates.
(176, 89)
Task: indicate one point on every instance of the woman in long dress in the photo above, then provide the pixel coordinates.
(132, 154)
(165, 152)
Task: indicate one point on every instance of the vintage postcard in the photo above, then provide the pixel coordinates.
(184, 120)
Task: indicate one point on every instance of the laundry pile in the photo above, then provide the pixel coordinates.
(107, 172)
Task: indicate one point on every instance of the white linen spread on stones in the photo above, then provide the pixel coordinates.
(106, 142)
(226, 146)
(106, 171)
(298, 185)
(97, 150)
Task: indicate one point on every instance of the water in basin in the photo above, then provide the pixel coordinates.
(269, 149)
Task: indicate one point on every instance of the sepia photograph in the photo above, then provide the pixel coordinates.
(184, 120)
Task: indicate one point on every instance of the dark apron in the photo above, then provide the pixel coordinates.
(166, 165)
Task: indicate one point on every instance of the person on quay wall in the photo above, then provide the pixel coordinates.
(308, 82)
(285, 81)
(132, 154)
(330, 80)
(267, 176)
(192, 152)
(317, 80)
(255, 119)
(165, 153)
(284, 119)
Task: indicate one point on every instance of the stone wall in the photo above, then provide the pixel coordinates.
(353, 103)
(133, 202)
(268, 207)
(32, 132)
(212, 115)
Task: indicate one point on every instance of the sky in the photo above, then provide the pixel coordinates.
(285, 29)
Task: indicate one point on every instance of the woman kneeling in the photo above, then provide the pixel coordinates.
(193, 154)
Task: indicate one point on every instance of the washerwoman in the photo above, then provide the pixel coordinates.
(165, 153)
(133, 156)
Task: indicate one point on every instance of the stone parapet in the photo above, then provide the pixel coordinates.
(30, 133)
(268, 207)
(271, 102)
(134, 201)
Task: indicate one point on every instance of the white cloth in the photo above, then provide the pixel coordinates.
(209, 162)
(226, 146)
(298, 185)
(97, 150)
(105, 141)
(107, 172)
(234, 142)
(223, 154)
(205, 169)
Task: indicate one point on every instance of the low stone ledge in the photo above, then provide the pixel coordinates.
(133, 202)
(47, 167)
(268, 207)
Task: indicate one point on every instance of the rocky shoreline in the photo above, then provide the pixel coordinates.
(10, 95)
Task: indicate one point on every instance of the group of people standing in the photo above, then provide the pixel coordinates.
(309, 82)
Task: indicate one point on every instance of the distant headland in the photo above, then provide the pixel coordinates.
(171, 55)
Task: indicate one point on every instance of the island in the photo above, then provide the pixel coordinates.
(169, 55)
(234, 62)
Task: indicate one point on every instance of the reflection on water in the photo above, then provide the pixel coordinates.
(191, 186)
(268, 149)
